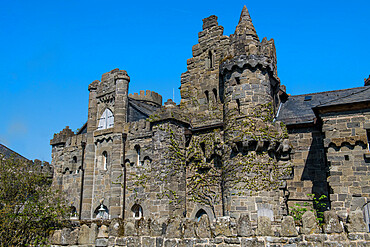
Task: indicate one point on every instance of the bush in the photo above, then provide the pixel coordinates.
(30, 207)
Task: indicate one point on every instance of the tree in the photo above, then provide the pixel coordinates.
(30, 207)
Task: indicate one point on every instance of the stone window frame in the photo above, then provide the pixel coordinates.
(366, 213)
(138, 154)
(105, 160)
(107, 113)
(137, 211)
(200, 213)
(106, 215)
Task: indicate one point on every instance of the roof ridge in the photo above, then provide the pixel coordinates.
(339, 90)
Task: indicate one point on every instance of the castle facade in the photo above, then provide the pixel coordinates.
(236, 144)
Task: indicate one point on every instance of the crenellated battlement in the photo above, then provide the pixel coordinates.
(115, 74)
(62, 136)
(148, 95)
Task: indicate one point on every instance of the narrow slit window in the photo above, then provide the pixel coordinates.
(238, 105)
(105, 160)
(137, 148)
(210, 59)
(237, 79)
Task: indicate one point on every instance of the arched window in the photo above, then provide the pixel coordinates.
(199, 214)
(238, 105)
(74, 164)
(214, 94)
(106, 120)
(366, 212)
(101, 212)
(210, 60)
(207, 96)
(105, 160)
(137, 211)
(137, 148)
(73, 212)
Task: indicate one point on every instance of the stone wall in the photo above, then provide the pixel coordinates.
(347, 149)
(223, 231)
(310, 168)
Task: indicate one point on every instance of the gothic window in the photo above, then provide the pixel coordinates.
(210, 60)
(137, 211)
(207, 96)
(137, 149)
(101, 212)
(106, 120)
(214, 94)
(105, 160)
(199, 214)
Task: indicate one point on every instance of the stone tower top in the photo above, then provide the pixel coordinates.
(210, 22)
(245, 25)
(148, 96)
(62, 136)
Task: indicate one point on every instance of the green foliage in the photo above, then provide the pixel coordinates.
(297, 210)
(30, 208)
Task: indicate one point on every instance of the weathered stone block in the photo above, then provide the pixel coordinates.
(202, 228)
(356, 221)
(103, 232)
(288, 227)
(148, 242)
(244, 228)
(116, 227)
(251, 242)
(56, 237)
(332, 224)
(130, 229)
(222, 227)
(174, 228)
(264, 226)
(309, 223)
(101, 242)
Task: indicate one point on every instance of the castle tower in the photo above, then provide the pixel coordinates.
(250, 98)
(200, 90)
(107, 115)
(249, 78)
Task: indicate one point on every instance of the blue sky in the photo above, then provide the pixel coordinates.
(51, 51)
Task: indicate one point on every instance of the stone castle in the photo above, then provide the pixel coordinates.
(236, 147)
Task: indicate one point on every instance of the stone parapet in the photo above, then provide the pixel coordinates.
(62, 136)
(148, 96)
(185, 232)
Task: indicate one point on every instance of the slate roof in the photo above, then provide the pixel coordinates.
(140, 110)
(8, 153)
(298, 109)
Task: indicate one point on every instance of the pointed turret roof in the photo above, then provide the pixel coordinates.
(245, 25)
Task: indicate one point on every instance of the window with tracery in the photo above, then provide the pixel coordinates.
(106, 120)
